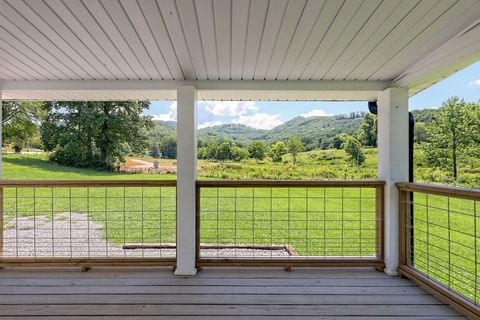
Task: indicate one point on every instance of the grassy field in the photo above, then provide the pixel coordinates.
(323, 222)
(315, 221)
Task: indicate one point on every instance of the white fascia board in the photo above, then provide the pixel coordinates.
(454, 55)
(145, 85)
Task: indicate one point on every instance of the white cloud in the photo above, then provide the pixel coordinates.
(241, 112)
(171, 115)
(476, 82)
(209, 124)
(230, 108)
(316, 113)
(259, 120)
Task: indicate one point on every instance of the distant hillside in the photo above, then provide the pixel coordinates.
(234, 132)
(313, 131)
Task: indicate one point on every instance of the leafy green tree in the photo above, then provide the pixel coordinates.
(420, 132)
(211, 150)
(339, 139)
(450, 136)
(224, 151)
(277, 150)
(202, 153)
(354, 150)
(20, 122)
(168, 147)
(95, 134)
(295, 146)
(368, 130)
(257, 150)
(239, 153)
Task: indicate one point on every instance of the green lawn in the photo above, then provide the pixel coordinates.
(316, 221)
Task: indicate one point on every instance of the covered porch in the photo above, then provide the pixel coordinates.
(377, 51)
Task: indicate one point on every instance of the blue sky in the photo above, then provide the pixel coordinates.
(266, 115)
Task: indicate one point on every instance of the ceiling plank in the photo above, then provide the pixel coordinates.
(375, 38)
(156, 23)
(354, 26)
(74, 24)
(457, 18)
(18, 59)
(337, 27)
(35, 22)
(138, 27)
(223, 25)
(94, 31)
(378, 18)
(309, 18)
(321, 27)
(206, 22)
(294, 11)
(414, 22)
(256, 26)
(275, 17)
(109, 29)
(68, 38)
(189, 21)
(170, 15)
(240, 14)
(127, 31)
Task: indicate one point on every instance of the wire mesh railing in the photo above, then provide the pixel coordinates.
(290, 222)
(439, 239)
(88, 220)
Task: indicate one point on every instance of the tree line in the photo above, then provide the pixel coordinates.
(100, 134)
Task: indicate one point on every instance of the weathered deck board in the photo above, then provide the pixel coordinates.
(265, 294)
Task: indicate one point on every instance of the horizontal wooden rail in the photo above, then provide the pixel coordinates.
(85, 262)
(455, 192)
(290, 263)
(287, 184)
(86, 183)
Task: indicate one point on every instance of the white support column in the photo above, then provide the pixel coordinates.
(186, 177)
(392, 164)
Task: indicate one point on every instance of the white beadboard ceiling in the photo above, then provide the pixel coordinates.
(412, 43)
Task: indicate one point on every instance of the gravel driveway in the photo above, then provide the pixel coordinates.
(76, 236)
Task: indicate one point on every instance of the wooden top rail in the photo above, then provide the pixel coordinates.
(287, 184)
(455, 192)
(86, 183)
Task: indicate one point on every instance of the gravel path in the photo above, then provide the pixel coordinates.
(29, 237)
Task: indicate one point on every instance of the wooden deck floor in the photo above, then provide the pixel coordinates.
(215, 294)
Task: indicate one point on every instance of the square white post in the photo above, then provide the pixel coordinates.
(392, 164)
(186, 177)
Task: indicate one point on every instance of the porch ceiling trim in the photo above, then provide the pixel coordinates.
(207, 90)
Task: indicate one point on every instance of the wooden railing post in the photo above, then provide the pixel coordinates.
(402, 260)
(197, 224)
(380, 217)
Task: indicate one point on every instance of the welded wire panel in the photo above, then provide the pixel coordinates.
(444, 241)
(284, 222)
(89, 222)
